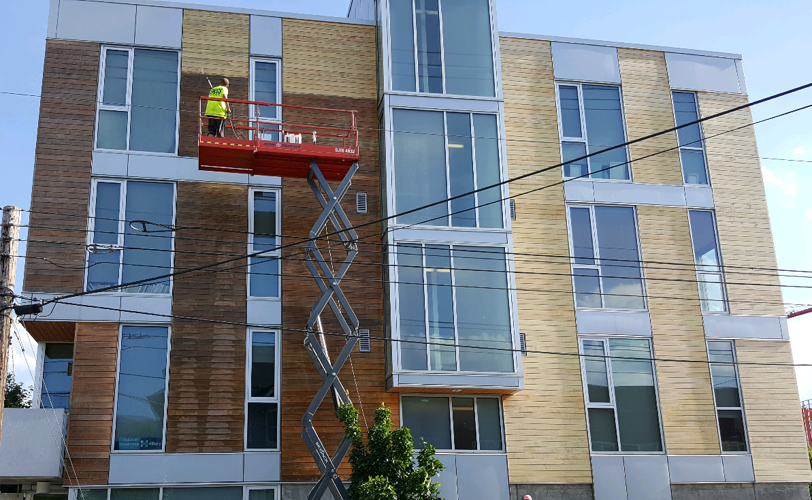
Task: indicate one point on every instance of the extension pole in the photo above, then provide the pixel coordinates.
(9, 241)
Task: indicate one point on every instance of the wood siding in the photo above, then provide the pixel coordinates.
(686, 397)
(61, 190)
(51, 331)
(545, 424)
(772, 411)
(741, 207)
(648, 109)
(93, 388)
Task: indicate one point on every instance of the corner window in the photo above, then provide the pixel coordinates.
(590, 120)
(57, 372)
(442, 46)
(138, 100)
(463, 423)
(691, 145)
(130, 236)
(726, 395)
(709, 274)
(443, 155)
(621, 395)
(262, 415)
(140, 411)
(263, 277)
(266, 86)
(605, 258)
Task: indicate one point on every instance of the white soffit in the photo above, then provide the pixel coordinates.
(158, 26)
(713, 74)
(96, 22)
(266, 36)
(589, 63)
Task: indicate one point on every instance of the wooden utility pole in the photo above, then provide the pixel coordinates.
(9, 242)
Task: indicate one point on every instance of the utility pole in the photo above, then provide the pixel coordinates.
(9, 242)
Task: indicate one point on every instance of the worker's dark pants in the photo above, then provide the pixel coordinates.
(217, 127)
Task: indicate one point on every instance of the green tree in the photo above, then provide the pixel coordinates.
(16, 395)
(386, 468)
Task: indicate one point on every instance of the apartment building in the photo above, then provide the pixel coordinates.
(592, 337)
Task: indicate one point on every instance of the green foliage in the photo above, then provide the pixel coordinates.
(385, 468)
(16, 395)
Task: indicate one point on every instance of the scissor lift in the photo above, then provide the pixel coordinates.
(319, 153)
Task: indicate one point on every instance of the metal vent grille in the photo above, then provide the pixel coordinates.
(364, 344)
(523, 344)
(361, 203)
(512, 209)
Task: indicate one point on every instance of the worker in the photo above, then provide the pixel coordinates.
(218, 111)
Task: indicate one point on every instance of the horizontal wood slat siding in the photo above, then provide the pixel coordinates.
(772, 411)
(93, 387)
(61, 190)
(648, 108)
(741, 206)
(545, 424)
(207, 362)
(686, 397)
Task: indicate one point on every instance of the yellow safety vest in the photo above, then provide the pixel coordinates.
(217, 108)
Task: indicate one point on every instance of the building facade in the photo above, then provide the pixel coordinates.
(586, 330)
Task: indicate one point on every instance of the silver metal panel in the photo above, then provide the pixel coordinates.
(579, 191)
(609, 322)
(152, 304)
(482, 477)
(53, 14)
(264, 312)
(452, 236)
(609, 477)
(696, 469)
(740, 72)
(690, 72)
(591, 63)
(262, 467)
(30, 446)
(639, 194)
(266, 36)
(177, 168)
(158, 26)
(96, 22)
(738, 468)
(362, 9)
(745, 327)
(448, 103)
(647, 477)
(448, 477)
(699, 197)
(404, 380)
(72, 310)
(175, 468)
(114, 164)
(264, 180)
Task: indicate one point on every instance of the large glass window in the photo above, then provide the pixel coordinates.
(708, 261)
(620, 394)
(266, 87)
(591, 120)
(442, 46)
(262, 415)
(454, 306)
(138, 100)
(131, 240)
(141, 389)
(178, 493)
(444, 155)
(726, 394)
(605, 258)
(456, 423)
(691, 145)
(264, 276)
(57, 372)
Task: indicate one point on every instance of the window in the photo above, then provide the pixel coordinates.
(143, 363)
(691, 146)
(130, 237)
(134, 494)
(262, 415)
(138, 100)
(442, 46)
(463, 423)
(266, 87)
(443, 155)
(605, 258)
(264, 279)
(57, 371)
(708, 261)
(177, 493)
(729, 408)
(621, 395)
(221, 493)
(590, 120)
(449, 296)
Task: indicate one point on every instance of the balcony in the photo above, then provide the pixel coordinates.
(31, 446)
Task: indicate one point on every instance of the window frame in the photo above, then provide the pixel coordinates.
(246, 489)
(277, 242)
(127, 108)
(741, 398)
(37, 400)
(700, 273)
(695, 148)
(277, 62)
(277, 387)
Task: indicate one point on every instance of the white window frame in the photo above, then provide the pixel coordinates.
(119, 247)
(279, 110)
(166, 386)
(39, 384)
(700, 272)
(277, 387)
(73, 493)
(100, 106)
(584, 139)
(597, 265)
(695, 147)
(741, 401)
(278, 241)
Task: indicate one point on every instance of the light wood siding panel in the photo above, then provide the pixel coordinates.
(686, 397)
(741, 207)
(648, 108)
(772, 411)
(51, 331)
(545, 424)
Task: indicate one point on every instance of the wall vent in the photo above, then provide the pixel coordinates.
(361, 203)
(523, 344)
(364, 342)
(512, 209)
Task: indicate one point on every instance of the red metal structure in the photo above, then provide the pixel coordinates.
(806, 408)
(257, 145)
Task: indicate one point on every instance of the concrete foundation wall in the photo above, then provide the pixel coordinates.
(740, 491)
(551, 491)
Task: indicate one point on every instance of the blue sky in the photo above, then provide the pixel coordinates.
(773, 41)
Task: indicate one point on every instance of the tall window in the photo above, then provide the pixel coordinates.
(264, 269)
(605, 258)
(442, 46)
(708, 261)
(729, 408)
(57, 372)
(620, 393)
(141, 388)
(457, 423)
(443, 155)
(262, 416)
(130, 237)
(266, 87)
(591, 119)
(691, 145)
(449, 296)
(138, 100)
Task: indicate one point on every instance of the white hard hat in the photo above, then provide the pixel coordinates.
(527, 497)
